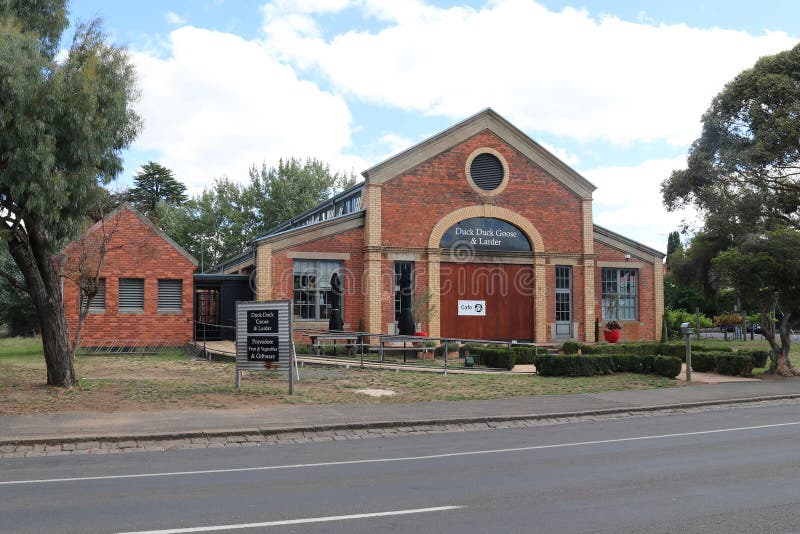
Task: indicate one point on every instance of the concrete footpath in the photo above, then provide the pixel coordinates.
(65, 433)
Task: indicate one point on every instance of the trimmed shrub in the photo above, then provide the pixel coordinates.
(500, 358)
(703, 362)
(524, 355)
(668, 366)
(633, 363)
(573, 365)
(570, 347)
(734, 364)
(678, 350)
(760, 357)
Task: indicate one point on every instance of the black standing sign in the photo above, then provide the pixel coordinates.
(262, 321)
(263, 349)
(264, 338)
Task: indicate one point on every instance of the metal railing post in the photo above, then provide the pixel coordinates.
(445, 356)
(205, 352)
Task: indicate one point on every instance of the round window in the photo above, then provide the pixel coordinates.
(487, 171)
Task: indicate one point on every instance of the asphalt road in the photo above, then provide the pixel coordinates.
(734, 470)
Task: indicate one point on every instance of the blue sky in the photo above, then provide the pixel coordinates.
(615, 89)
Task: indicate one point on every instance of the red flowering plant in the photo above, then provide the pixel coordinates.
(613, 325)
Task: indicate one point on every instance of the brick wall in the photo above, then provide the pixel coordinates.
(644, 328)
(349, 242)
(441, 186)
(135, 251)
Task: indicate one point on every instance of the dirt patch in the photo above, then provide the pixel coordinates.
(372, 392)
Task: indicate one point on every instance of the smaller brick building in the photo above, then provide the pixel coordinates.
(145, 295)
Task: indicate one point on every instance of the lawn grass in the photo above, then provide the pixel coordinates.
(172, 380)
(20, 349)
(137, 382)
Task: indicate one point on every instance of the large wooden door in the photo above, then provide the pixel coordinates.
(508, 291)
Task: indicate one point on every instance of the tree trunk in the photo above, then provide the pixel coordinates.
(781, 362)
(31, 253)
(785, 326)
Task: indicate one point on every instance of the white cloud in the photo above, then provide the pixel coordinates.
(565, 73)
(173, 18)
(216, 103)
(628, 201)
(395, 143)
(567, 157)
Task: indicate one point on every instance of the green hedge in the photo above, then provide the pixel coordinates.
(668, 366)
(633, 363)
(601, 364)
(704, 362)
(524, 355)
(498, 357)
(735, 364)
(573, 365)
(760, 357)
(676, 349)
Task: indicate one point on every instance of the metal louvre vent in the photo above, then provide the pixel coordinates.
(170, 295)
(131, 294)
(486, 171)
(98, 304)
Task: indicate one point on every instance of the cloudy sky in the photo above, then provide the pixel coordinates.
(615, 89)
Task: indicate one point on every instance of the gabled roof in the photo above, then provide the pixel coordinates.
(607, 237)
(485, 120)
(125, 206)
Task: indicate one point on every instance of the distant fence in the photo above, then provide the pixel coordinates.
(129, 346)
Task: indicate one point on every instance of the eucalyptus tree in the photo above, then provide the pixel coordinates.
(63, 124)
(743, 174)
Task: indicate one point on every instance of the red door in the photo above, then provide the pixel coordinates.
(507, 290)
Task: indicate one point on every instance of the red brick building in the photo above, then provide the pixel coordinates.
(145, 295)
(481, 227)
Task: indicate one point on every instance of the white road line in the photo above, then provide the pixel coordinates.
(400, 459)
(297, 521)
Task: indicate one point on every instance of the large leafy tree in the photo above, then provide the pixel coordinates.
(744, 168)
(214, 225)
(16, 309)
(221, 221)
(293, 187)
(743, 175)
(63, 125)
(765, 270)
(155, 183)
(691, 283)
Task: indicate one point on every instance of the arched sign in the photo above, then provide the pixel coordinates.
(485, 234)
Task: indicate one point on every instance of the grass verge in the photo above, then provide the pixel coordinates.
(128, 382)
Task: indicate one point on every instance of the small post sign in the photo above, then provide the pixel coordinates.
(264, 338)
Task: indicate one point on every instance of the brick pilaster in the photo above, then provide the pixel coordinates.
(263, 272)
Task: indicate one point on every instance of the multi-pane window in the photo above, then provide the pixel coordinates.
(131, 295)
(563, 293)
(98, 304)
(403, 286)
(170, 296)
(619, 293)
(312, 288)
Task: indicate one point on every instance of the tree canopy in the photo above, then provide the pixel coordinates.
(155, 183)
(63, 125)
(742, 174)
(221, 221)
(743, 170)
(291, 188)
